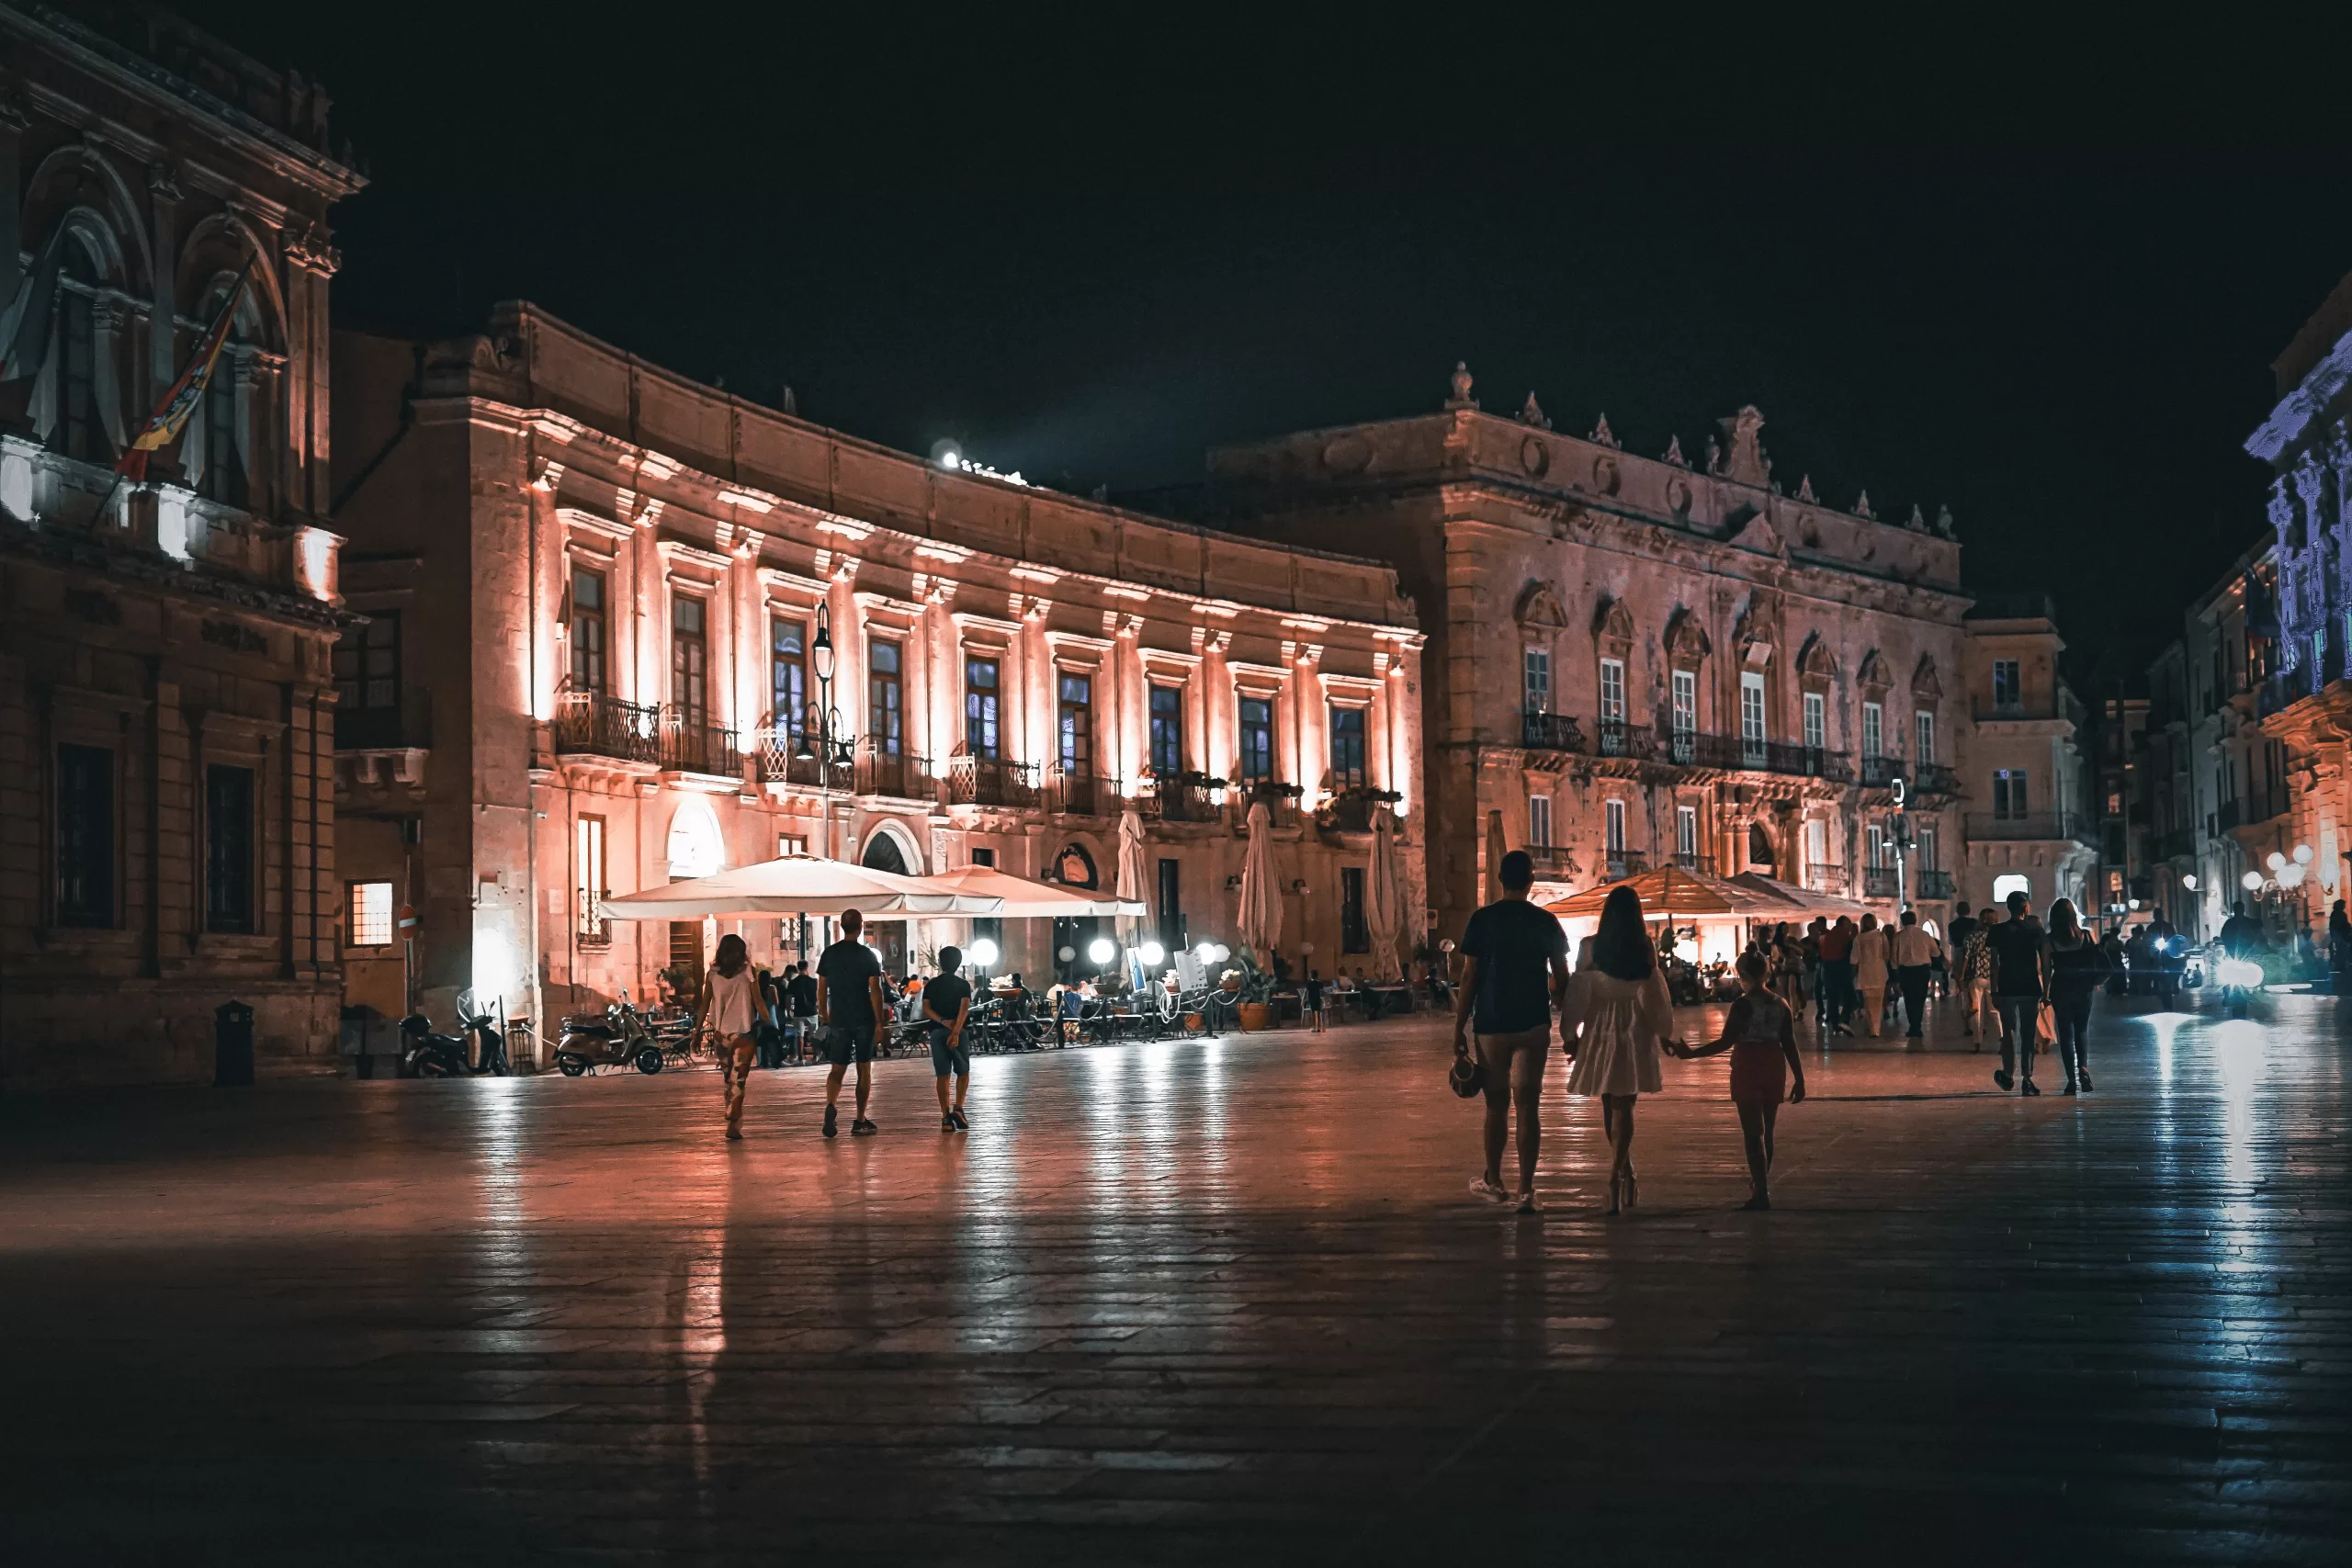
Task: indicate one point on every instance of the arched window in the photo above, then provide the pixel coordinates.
(81, 431)
(882, 853)
(228, 458)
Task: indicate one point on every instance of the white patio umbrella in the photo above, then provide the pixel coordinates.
(1023, 899)
(799, 885)
(1130, 879)
(1259, 921)
(1385, 913)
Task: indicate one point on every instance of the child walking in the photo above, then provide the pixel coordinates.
(946, 1006)
(1760, 1034)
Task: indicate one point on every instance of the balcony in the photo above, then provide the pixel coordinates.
(2179, 844)
(990, 781)
(1933, 778)
(1826, 878)
(1187, 797)
(591, 724)
(1081, 793)
(787, 756)
(706, 749)
(405, 728)
(1552, 862)
(1805, 762)
(1690, 748)
(885, 768)
(1934, 884)
(1984, 827)
(593, 931)
(1623, 863)
(1879, 882)
(1988, 712)
(1355, 810)
(1615, 737)
(1550, 732)
(1695, 864)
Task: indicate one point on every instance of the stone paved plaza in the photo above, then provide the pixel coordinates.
(1189, 1303)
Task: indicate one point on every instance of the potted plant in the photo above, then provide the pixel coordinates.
(1252, 991)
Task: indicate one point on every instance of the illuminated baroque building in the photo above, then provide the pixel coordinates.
(1641, 660)
(595, 593)
(166, 831)
(2032, 831)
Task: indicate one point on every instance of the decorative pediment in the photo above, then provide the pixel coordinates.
(1612, 623)
(1539, 607)
(1874, 675)
(1924, 682)
(1757, 634)
(1815, 662)
(1763, 537)
(1686, 639)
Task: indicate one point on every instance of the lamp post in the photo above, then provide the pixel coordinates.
(822, 739)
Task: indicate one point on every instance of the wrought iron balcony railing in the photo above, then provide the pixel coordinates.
(1281, 808)
(1616, 738)
(990, 781)
(1182, 799)
(1826, 877)
(884, 767)
(1551, 859)
(1550, 732)
(1878, 882)
(591, 724)
(1081, 793)
(408, 727)
(1623, 863)
(1934, 884)
(701, 748)
(1988, 828)
(1354, 810)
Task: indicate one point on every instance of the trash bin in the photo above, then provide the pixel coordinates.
(232, 1045)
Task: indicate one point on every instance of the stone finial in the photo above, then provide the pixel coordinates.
(1714, 455)
(1745, 460)
(1916, 523)
(1674, 453)
(1943, 522)
(1804, 488)
(1532, 412)
(1604, 437)
(1862, 506)
(1462, 398)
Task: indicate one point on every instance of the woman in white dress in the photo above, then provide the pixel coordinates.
(1870, 972)
(1618, 1012)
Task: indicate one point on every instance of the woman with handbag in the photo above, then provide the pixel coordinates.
(2077, 968)
(1618, 1013)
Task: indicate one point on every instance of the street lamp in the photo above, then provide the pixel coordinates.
(829, 747)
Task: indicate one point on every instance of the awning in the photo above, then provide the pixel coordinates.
(1024, 900)
(1797, 900)
(800, 884)
(1667, 892)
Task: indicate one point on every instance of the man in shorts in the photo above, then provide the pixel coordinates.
(947, 1004)
(850, 1007)
(1514, 972)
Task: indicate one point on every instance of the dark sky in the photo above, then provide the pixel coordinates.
(1092, 274)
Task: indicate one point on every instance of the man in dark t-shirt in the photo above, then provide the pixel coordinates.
(947, 1004)
(1514, 972)
(850, 1005)
(2019, 951)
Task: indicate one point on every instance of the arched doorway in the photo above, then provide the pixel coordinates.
(885, 850)
(1759, 846)
(1074, 868)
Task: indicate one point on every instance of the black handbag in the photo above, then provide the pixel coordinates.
(1466, 1076)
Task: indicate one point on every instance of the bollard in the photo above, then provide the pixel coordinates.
(232, 1045)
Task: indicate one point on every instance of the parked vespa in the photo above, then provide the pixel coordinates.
(617, 1039)
(425, 1054)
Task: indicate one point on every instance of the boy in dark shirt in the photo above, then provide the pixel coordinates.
(947, 1003)
(850, 1006)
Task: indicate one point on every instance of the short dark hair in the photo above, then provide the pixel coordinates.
(1517, 873)
(1910, 917)
(2019, 902)
(950, 960)
(1621, 946)
(1959, 909)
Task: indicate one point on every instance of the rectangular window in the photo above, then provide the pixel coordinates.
(1613, 826)
(1816, 720)
(1686, 831)
(1347, 750)
(1877, 848)
(1923, 730)
(1535, 688)
(1686, 702)
(84, 837)
(2008, 691)
(885, 698)
(787, 674)
(1816, 842)
(229, 850)
(586, 632)
(369, 918)
(1167, 731)
(588, 866)
(2008, 792)
(1171, 904)
(1752, 714)
(1538, 822)
(1613, 690)
(1923, 847)
(224, 465)
(1074, 729)
(1874, 730)
(367, 664)
(1354, 935)
(980, 707)
(689, 662)
(1257, 739)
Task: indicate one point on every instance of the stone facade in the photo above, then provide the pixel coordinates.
(1637, 660)
(596, 590)
(2029, 824)
(166, 831)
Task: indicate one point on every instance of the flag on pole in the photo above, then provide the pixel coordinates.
(179, 402)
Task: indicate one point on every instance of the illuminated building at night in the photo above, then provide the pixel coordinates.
(166, 835)
(1640, 660)
(601, 601)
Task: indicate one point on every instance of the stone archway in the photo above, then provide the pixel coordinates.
(891, 847)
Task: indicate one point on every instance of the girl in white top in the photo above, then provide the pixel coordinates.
(1618, 1012)
(731, 1010)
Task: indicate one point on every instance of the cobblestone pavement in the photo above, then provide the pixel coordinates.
(1186, 1302)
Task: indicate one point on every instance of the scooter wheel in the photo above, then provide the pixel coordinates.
(649, 1061)
(571, 1067)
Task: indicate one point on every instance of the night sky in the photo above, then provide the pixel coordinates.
(1092, 277)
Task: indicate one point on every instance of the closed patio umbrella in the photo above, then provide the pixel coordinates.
(1495, 852)
(1259, 921)
(1386, 914)
(1129, 884)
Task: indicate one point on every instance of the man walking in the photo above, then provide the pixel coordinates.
(946, 1008)
(1837, 971)
(1914, 959)
(1973, 971)
(1515, 970)
(850, 1007)
(2020, 956)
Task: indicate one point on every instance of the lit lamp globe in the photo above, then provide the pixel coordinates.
(2188, 880)
(1066, 954)
(1222, 954)
(2302, 854)
(2251, 882)
(1102, 950)
(2291, 876)
(1205, 952)
(1153, 954)
(2276, 860)
(982, 953)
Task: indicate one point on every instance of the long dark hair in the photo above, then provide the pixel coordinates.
(2064, 925)
(1622, 947)
(732, 955)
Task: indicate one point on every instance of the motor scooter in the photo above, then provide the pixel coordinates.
(429, 1055)
(617, 1039)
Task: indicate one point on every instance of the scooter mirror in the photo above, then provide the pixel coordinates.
(624, 993)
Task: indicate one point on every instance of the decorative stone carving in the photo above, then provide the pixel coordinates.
(1538, 608)
(1874, 675)
(1745, 459)
(1759, 536)
(1462, 383)
(1714, 455)
(1603, 436)
(1677, 497)
(1863, 507)
(1612, 627)
(1686, 640)
(1917, 522)
(164, 182)
(1674, 452)
(2283, 511)
(1757, 631)
(1604, 475)
(1534, 456)
(1532, 412)
(1925, 686)
(1943, 523)
(1815, 663)
(1804, 488)
(1347, 455)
